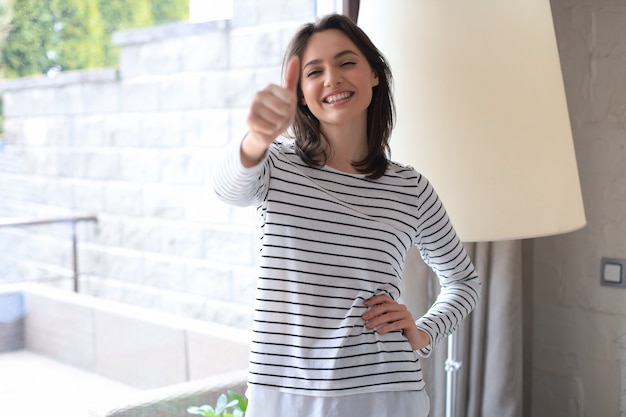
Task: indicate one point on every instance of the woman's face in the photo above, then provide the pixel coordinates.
(336, 79)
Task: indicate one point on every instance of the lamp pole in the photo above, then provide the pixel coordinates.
(451, 366)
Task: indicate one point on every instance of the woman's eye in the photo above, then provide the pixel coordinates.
(348, 63)
(312, 73)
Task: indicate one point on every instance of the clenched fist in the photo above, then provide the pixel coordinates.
(272, 111)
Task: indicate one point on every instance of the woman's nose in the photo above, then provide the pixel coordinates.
(333, 77)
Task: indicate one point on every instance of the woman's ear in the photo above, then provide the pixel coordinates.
(375, 79)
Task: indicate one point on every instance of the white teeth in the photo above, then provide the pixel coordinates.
(337, 97)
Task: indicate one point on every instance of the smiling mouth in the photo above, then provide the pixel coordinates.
(335, 98)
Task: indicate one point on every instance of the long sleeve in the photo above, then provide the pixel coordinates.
(442, 250)
(235, 184)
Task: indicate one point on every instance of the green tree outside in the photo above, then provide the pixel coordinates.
(25, 35)
(165, 11)
(62, 35)
(122, 15)
(6, 15)
(77, 33)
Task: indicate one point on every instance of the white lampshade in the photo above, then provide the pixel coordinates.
(481, 111)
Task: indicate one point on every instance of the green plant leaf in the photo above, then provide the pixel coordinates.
(242, 402)
(233, 400)
(223, 405)
(205, 410)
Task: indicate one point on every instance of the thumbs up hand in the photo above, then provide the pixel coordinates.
(292, 75)
(272, 111)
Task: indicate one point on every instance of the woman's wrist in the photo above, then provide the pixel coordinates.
(418, 338)
(252, 150)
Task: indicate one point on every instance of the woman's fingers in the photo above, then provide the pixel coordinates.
(379, 299)
(267, 114)
(273, 108)
(271, 112)
(387, 313)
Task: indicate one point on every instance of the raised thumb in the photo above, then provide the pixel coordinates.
(292, 73)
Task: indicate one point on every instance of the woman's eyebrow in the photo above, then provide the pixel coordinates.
(337, 56)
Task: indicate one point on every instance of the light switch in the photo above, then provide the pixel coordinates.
(613, 272)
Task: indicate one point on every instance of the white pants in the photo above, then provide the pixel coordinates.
(264, 402)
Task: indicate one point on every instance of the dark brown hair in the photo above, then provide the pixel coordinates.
(380, 113)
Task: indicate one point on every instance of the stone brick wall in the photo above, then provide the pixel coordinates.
(136, 145)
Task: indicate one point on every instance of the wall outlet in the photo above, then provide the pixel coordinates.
(613, 272)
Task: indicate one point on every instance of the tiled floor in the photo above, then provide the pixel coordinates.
(33, 385)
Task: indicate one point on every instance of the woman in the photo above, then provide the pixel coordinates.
(337, 219)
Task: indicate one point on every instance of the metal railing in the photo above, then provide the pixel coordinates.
(72, 219)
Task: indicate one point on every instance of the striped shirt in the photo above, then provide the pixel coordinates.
(330, 241)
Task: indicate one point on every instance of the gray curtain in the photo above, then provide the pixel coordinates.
(490, 381)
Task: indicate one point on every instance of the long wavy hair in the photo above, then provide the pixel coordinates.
(380, 113)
